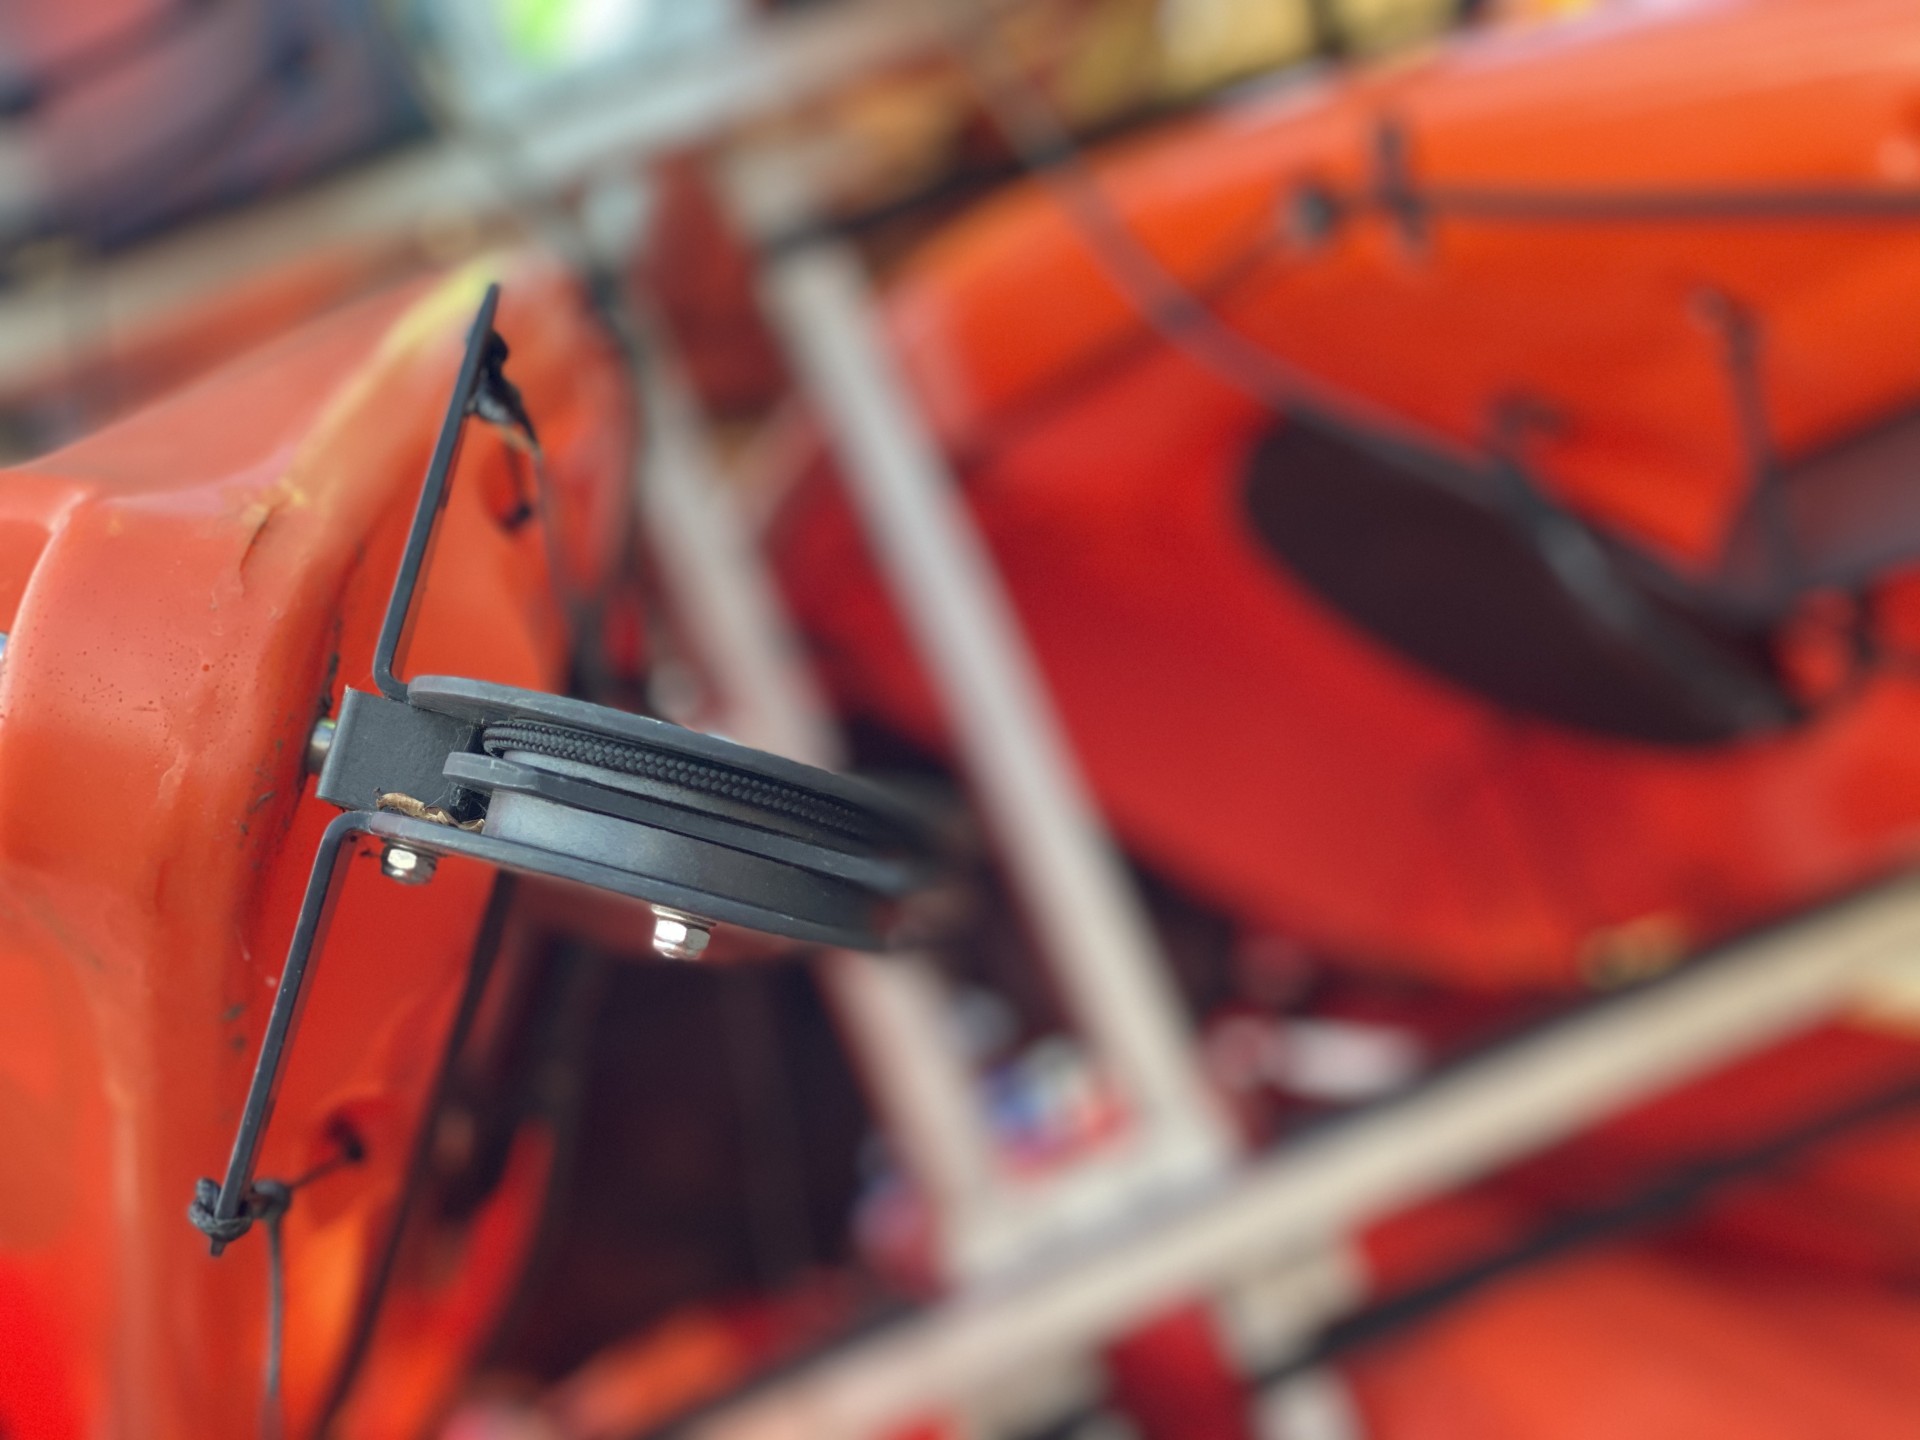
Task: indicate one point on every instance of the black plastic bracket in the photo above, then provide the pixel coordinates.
(383, 747)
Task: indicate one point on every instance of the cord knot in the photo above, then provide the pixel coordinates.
(268, 1200)
(203, 1212)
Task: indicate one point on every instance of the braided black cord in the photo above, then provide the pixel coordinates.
(707, 777)
(268, 1201)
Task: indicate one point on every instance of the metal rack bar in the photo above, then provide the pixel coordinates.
(892, 1009)
(1095, 936)
(1464, 1124)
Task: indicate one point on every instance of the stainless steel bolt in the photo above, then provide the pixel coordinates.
(679, 936)
(319, 744)
(405, 865)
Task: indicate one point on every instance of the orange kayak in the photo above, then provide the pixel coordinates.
(184, 593)
(1508, 576)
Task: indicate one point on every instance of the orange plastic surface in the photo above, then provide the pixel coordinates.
(185, 593)
(1631, 1342)
(1779, 1304)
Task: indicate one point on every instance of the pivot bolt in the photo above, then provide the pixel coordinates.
(319, 743)
(405, 865)
(679, 936)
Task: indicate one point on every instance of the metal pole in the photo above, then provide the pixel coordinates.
(1097, 938)
(892, 1008)
(720, 587)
